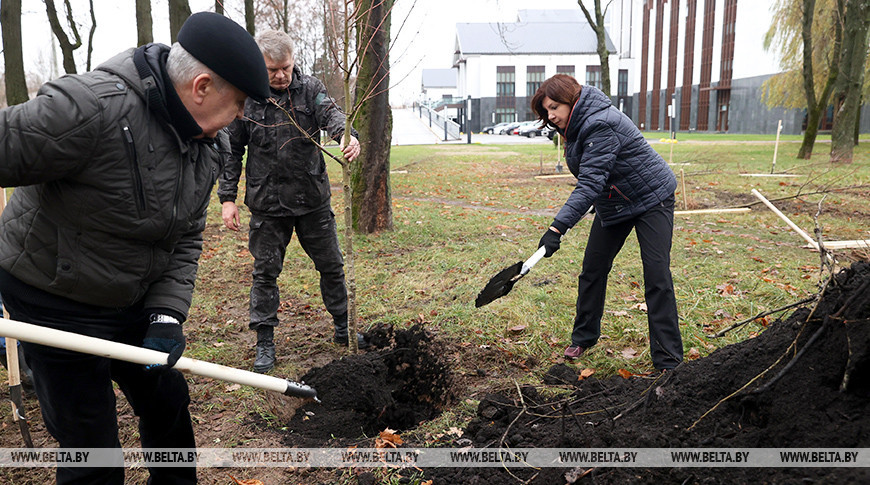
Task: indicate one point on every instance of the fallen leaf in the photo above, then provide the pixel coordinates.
(618, 313)
(629, 353)
(586, 373)
(640, 306)
(624, 373)
(388, 439)
(234, 387)
(694, 353)
(518, 328)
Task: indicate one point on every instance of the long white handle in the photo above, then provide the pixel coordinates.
(139, 355)
(527, 266)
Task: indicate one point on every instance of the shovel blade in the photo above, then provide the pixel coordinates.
(499, 285)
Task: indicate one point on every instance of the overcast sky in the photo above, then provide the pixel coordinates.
(423, 30)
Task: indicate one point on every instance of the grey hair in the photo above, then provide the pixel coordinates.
(182, 67)
(275, 45)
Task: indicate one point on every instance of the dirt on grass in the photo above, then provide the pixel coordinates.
(803, 383)
(410, 376)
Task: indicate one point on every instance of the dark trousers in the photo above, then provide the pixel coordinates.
(268, 240)
(654, 230)
(77, 400)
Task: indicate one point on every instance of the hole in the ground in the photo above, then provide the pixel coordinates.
(396, 387)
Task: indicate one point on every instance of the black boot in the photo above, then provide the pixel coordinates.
(265, 360)
(340, 336)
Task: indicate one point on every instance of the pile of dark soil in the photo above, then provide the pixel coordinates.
(821, 401)
(398, 386)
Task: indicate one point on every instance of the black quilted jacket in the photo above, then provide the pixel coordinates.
(616, 169)
(111, 198)
(285, 172)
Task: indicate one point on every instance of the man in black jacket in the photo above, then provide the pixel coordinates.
(287, 188)
(102, 236)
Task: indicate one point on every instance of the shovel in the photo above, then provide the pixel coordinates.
(502, 283)
(139, 355)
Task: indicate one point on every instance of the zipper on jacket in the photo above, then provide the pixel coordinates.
(137, 176)
(612, 188)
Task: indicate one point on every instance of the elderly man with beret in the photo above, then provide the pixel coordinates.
(114, 170)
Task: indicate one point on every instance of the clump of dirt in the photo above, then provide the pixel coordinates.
(821, 401)
(398, 386)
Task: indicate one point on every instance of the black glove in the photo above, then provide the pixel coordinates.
(550, 241)
(165, 334)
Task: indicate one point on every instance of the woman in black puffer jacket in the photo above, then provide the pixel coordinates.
(630, 186)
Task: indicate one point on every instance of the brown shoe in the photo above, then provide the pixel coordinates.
(573, 352)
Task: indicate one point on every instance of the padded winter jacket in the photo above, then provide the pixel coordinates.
(111, 198)
(285, 172)
(616, 169)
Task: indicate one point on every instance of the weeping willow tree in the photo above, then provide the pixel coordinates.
(802, 32)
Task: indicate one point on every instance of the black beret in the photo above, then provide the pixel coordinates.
(228, 50)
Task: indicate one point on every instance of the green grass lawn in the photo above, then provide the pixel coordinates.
(464, 212)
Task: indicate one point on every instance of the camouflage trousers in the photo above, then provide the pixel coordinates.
(268, 240)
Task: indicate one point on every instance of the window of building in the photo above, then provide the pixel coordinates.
(505, 115)
(569, 70)
(622, 86)
(534, 78)
(593, 76)
(505, 94)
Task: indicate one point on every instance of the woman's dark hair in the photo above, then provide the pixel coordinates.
(561, 88)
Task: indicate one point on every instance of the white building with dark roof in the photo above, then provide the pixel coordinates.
(501, 65)
(438, 84)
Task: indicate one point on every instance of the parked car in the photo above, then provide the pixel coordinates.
(531, 129)
(507, 129)
(523, 125)
(491, 129)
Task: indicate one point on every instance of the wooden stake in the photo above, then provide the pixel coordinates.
(776, 145)
(683, 182)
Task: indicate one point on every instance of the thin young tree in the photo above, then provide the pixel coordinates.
(91, 35)
(349, 49)
(144, 24)
(597, 25)
(219, 7)
(847, 92)
(10, 22)
(67, 46)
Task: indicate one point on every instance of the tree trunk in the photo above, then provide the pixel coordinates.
(848, 91)
(218, 7)
(179, 11)
(601, 37)
(91, 35)
(249, 17)
(144, 27)
(10, 22)
(349, 254)
(372, 204)
(815, 106)
(66, 46)
(813, 111)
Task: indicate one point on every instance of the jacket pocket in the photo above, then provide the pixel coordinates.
(615, 192)
(130, 150)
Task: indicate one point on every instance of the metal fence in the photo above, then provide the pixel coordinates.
(448, 129)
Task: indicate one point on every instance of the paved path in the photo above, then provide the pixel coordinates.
(409, 129)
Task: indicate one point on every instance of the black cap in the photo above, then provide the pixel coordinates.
(228, 50)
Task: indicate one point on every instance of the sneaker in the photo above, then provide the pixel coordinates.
(361, 341)
(573, 352)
